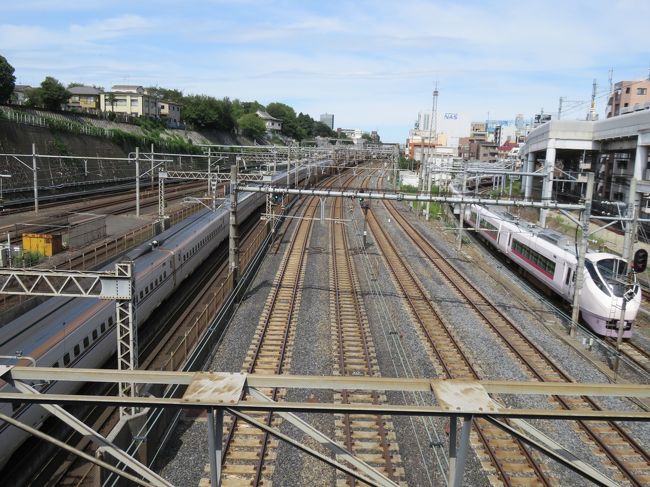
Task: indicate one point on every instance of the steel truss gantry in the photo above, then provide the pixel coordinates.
(114, 285)
(220, 393)
(212, 177)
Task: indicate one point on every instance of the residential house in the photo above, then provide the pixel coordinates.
(19, 96)
(131, 100)
(84, 99)
(272, 124)
(170, 112)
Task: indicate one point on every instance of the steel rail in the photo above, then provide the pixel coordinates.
(483, 306)
(466, 370)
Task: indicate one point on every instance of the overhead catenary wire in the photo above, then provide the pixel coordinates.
(402, 365)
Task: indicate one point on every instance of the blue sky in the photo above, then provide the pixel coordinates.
(371, 63)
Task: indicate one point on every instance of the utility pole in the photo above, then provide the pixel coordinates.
(559, 109)
(582, 250)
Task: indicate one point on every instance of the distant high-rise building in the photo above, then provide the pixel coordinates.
(328, 119)
(423, 120)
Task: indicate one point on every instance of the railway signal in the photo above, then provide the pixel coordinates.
(640, 261)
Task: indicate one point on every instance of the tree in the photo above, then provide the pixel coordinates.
(306, 124)
(111, 99)
(51, 95)
(167, 94)
(204, 111)
(322, 130)
(7, 80)
(251, 125)
(290, 126)
(240, 108)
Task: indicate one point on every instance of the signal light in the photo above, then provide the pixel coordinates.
(640, 261)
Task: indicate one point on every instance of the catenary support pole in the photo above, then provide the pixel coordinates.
(628, 251)
(215, 444)
(209, 171)
(137, 181)
(35, 171)
(547, 185)
(459, 243)
(234, 227)
(582, 250)
(161, 199)
(429, 177)
(453, 433)
(462, 451)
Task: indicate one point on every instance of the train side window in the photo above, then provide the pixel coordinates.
(86, 342)
(102, 327)
(76, 350)
(165, 274)
(66, 359)
(94, 334)
(568, 276)
(110, 321)
(55, 364)
(141, 294)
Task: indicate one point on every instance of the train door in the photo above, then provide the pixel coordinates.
(569, 280)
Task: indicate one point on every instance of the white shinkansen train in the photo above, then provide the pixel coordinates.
(80, 332)
(550, 258)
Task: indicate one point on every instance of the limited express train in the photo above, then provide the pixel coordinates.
(80, 332)
(550, 257)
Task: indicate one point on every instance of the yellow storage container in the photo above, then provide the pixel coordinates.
(42, 243)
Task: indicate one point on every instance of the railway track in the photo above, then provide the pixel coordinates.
(627, 460)
(164, 348)
(371, 438)
(505, 458)
(634, 353)
(248, 452)
(112, 205)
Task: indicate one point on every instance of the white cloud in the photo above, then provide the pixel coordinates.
(372, 64)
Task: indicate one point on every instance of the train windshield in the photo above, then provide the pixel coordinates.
(614, 273)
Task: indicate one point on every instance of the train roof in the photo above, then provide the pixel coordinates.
(553, 237)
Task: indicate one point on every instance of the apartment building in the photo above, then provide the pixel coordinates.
(628, 96)
(131, 100)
